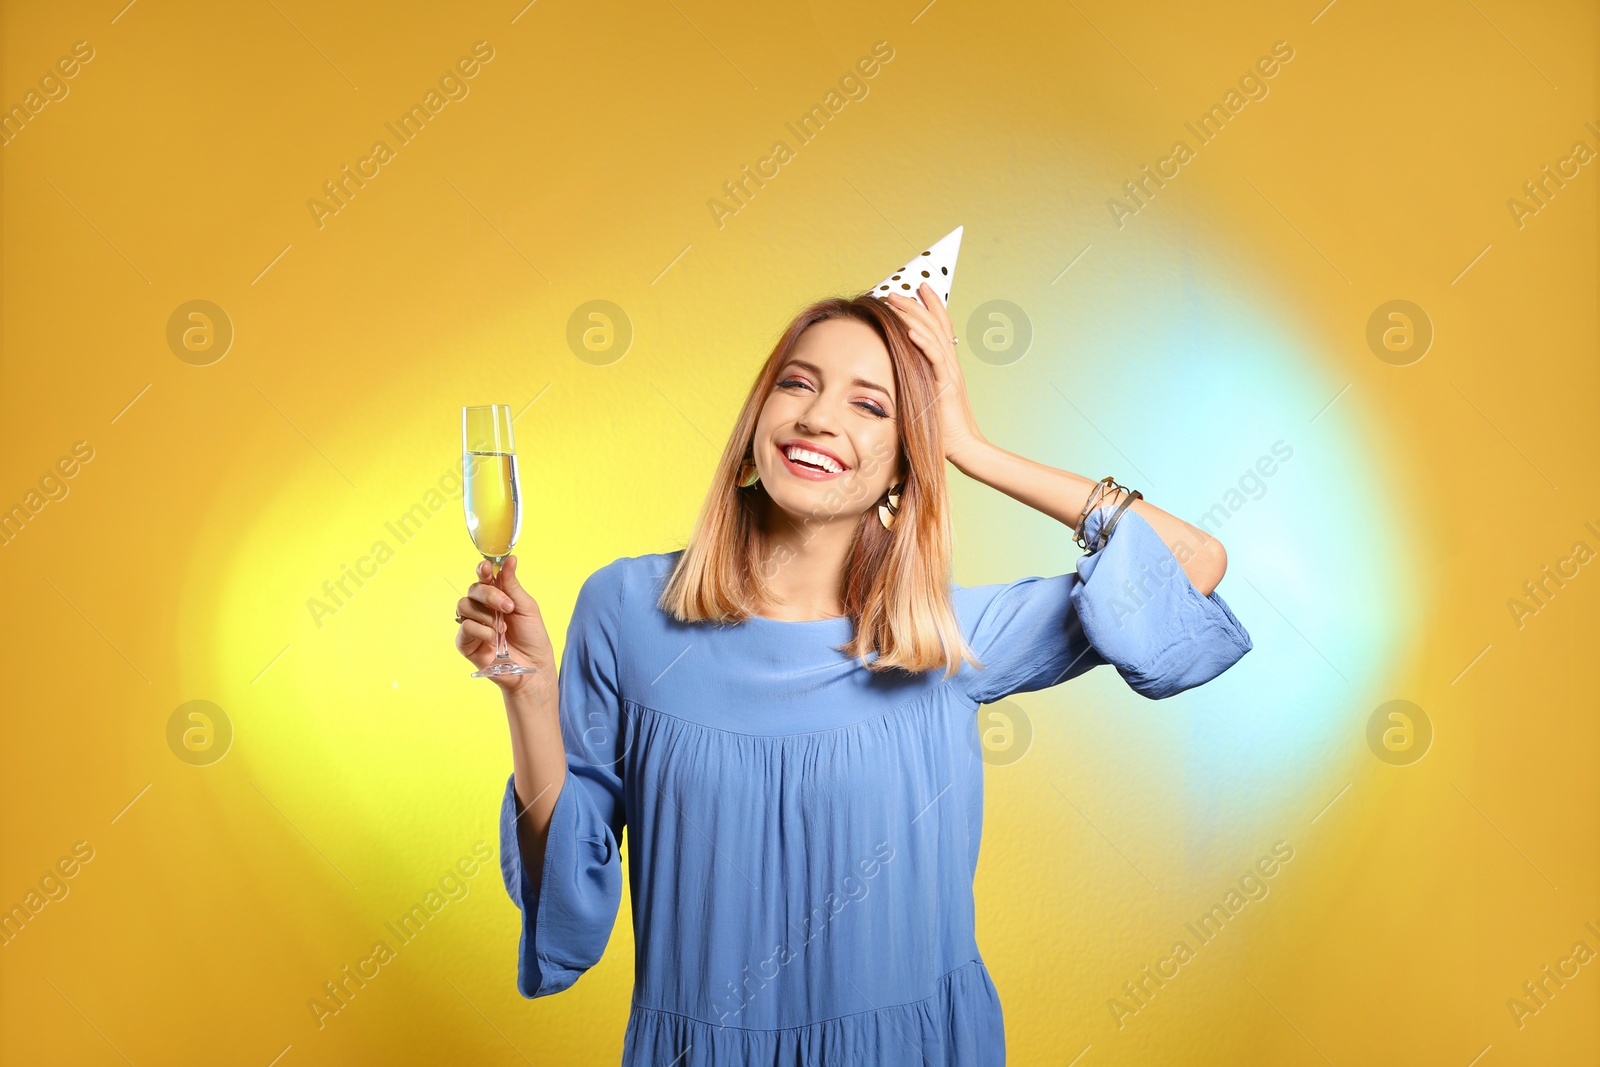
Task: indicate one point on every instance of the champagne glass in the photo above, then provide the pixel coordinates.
(493, 503)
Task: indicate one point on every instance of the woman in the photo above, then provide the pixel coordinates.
(783, 713)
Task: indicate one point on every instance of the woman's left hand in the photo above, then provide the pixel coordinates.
(932, 332)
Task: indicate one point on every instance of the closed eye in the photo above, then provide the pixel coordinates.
(865, 405)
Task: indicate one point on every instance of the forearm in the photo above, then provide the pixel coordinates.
(538, 763)
(1063, 494)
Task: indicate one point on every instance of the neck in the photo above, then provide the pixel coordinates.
(804, 563)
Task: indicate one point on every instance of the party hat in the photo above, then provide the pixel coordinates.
(936, 266)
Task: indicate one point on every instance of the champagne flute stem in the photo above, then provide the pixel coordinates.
(501, 651)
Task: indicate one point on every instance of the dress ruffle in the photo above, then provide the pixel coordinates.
(959, 1023)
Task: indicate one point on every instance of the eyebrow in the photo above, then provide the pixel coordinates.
(814, 369)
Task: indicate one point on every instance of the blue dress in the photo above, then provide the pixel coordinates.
(804, 832)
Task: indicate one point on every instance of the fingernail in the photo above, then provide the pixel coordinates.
(506, 605)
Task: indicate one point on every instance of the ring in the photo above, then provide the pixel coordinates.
(955, 340)
(460, 619)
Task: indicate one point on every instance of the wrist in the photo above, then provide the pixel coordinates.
(533, 697)
(966, 450)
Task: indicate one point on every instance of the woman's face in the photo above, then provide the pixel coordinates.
(827, 442)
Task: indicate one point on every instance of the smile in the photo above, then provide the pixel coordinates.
(811, 463)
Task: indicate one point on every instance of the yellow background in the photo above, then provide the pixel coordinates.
(1229, 313)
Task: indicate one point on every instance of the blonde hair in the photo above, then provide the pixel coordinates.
(897, 584)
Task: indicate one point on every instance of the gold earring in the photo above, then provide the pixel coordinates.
(887, 513)
(748, 475)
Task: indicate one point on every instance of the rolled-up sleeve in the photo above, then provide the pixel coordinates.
(1142, 614)
(1130, 605)
(570, 905)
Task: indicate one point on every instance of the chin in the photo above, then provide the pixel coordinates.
(799, 500)
(823, 500)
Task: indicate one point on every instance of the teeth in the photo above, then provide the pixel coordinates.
(803, 455)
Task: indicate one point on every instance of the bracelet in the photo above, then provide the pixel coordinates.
(1088, 506)
(1102, 488)
(1111, 524)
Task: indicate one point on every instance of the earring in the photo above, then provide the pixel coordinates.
(748, 475)
(887, 513)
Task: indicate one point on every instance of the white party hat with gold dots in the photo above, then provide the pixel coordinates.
(936, 266)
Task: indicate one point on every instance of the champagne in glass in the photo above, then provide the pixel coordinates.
(493, 503)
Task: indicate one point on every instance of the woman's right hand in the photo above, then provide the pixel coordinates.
(526, 639)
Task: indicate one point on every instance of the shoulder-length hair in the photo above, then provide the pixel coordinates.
(897, 584)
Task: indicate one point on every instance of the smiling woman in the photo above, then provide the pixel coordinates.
(780, 707)
(793, 544)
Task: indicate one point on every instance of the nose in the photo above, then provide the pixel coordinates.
(817, 416)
